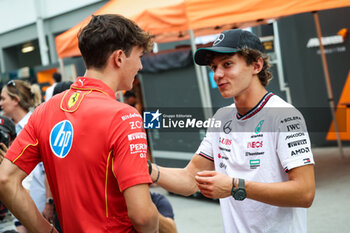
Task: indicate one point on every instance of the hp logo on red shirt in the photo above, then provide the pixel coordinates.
(61, 138)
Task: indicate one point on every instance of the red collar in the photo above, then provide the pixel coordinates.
(84, 83)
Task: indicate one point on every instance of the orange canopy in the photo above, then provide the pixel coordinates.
(171, 19)
(67, 42)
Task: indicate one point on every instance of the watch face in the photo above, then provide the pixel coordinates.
(240, 194)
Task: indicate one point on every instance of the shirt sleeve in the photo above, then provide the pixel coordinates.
(130, 150)
(205, 149)
(24, 151)
(293, 141)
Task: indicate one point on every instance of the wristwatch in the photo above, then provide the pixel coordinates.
(49, 200)
(238, 193)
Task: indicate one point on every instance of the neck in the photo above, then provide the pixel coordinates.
(249, 99)
(18, 115)
(108, 78)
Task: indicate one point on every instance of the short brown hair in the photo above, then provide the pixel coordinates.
(250, 56)
(106, 33)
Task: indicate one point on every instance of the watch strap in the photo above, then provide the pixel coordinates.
(241, 183)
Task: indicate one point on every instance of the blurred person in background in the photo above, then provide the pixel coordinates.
(7, 135)
(130, 98)
(18, 100)
(57, 77)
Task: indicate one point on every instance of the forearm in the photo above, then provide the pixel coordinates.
(18, 201)
(298, 191)
(176, 180)
(286, 194)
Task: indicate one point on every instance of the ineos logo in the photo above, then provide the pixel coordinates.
(61, 138)
(219, 39)
(227, 127)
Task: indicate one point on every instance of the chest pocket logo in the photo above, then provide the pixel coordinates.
(61, 138)
(73, 99)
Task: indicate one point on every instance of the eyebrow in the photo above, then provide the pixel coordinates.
(221, 58)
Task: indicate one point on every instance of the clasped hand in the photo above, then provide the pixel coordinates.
(214, 184)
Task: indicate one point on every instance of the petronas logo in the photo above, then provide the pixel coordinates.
(258, 127)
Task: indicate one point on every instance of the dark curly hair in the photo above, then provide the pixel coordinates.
(106, 33)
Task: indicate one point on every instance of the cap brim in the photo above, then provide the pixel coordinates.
(200, 57)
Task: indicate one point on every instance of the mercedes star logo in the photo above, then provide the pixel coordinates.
(219, 39)
(227, 127)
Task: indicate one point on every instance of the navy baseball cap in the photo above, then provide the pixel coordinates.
(229, 41)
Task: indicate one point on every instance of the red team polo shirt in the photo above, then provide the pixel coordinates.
(93, 148)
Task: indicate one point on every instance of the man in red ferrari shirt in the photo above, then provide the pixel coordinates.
(93, 147)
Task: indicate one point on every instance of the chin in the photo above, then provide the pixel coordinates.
(226, 95)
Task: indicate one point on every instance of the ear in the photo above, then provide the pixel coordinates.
(258, 65)
(16, 99)
(118, 57)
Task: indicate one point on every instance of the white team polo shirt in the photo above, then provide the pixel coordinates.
(260, 146)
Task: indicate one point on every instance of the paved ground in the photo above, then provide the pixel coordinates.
(329, 212)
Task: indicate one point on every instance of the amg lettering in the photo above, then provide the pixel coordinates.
(300, 151)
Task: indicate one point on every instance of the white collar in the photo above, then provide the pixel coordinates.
(24, 120)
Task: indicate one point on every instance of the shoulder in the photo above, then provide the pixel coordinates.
(125, 111)
(286, 116)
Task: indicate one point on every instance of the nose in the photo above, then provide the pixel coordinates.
(218, 73)
(140, 65)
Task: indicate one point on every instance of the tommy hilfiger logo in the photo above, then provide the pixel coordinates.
(307, 161)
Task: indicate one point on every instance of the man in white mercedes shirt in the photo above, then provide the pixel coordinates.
(259, 163)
